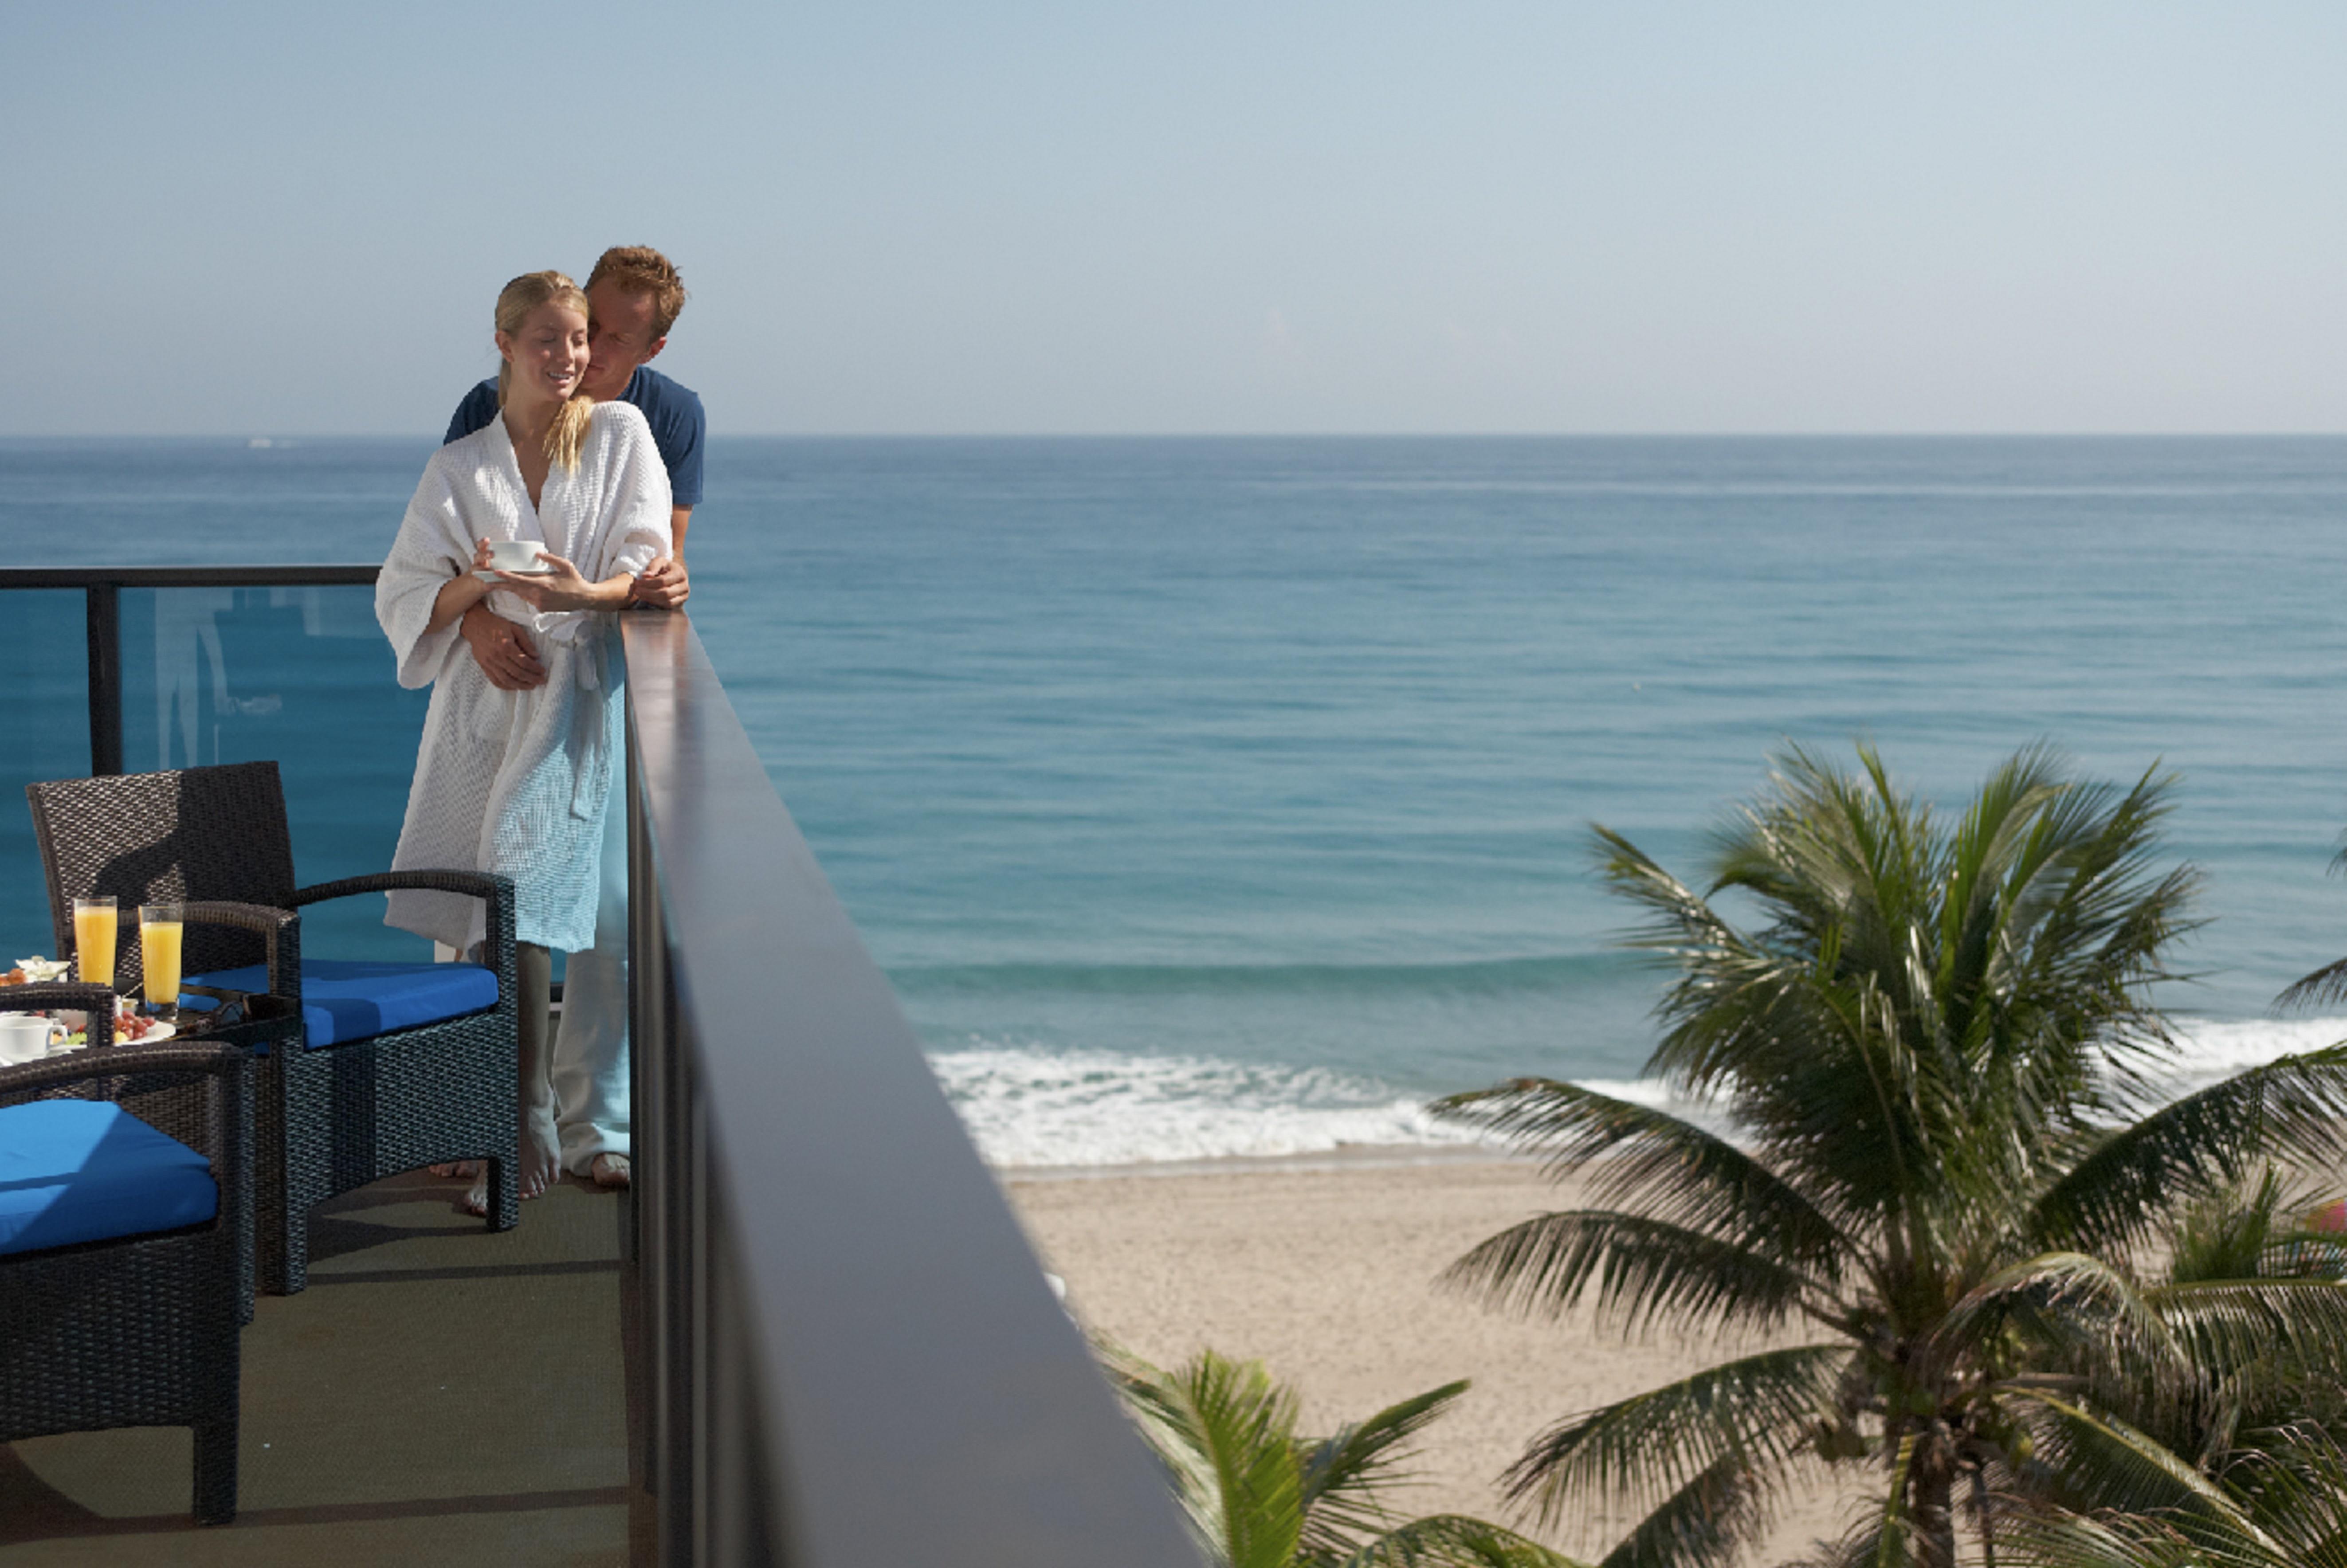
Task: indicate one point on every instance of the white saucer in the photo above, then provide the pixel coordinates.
(534, 571)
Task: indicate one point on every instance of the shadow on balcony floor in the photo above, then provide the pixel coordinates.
(438, 1394)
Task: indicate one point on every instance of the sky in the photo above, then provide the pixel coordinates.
(1008, 218)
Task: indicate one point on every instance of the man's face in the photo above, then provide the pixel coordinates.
(620, 338)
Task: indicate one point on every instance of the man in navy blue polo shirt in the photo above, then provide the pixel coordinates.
(633, 296)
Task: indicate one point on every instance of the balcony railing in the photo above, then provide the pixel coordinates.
(841, 1351)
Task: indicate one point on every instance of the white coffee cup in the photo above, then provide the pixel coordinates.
(515, 555)
(27, 1037)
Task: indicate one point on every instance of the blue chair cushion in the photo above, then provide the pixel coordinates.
(349, 999)
(87, 1170)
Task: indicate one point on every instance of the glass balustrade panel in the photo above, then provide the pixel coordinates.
(300, 676)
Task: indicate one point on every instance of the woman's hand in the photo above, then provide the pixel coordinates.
(459, 593)
(564, 588)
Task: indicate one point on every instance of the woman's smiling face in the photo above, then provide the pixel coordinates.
(549, 353)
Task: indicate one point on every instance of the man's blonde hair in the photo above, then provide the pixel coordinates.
(641, 270)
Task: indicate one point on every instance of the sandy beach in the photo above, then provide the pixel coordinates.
(1326, 1270)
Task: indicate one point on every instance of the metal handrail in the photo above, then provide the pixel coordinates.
(854, 1357)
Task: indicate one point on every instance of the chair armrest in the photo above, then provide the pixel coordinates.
(97, 1001)
(496, 891)
(279, 930)
(479, 884)
(172, 1056)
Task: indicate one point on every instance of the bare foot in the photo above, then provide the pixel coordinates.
(540, 1167)
(609, 1172)
(458, 1168)
(542, 1153)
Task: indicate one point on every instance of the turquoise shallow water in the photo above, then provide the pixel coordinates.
(1222, 796)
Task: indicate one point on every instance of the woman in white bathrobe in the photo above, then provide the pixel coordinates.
(517, 781)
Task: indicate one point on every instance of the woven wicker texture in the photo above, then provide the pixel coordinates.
(328, 1120)
(138, 1330)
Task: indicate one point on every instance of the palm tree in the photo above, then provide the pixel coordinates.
(1259, 1496)
(1928, 1043)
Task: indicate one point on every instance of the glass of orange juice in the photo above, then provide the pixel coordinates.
(95, 934)
(159, 932)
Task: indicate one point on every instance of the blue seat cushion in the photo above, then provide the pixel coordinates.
(87, 1170)
(344, 999)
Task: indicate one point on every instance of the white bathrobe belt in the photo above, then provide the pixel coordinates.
(590, 727)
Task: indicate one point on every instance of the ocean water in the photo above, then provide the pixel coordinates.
(1208, 798)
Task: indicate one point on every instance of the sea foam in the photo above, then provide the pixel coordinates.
(1028, 1107)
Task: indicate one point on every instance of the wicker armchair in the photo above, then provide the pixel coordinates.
(346, 1106)
(122, 1309)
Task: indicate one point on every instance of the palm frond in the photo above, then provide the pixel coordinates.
(2291, 1107)
(1450, 1541)
(1641, 1273)
(2283, 1508)
(1708, 1524)
(2057, 1539)
(1226, 1432)
(2325, 986)
(2237, 1232)
(2295, 1487)
(1643, 1451)
(2234, 1323)
(2100, 1462)
(2093, 1313)
(1342, 1474)
(1653, 1165)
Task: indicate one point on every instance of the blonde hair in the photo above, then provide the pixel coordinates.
(515, 301)
(641, 270)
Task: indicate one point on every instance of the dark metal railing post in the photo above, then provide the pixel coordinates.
(105, 619)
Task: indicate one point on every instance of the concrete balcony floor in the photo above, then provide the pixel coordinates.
(438, 1394)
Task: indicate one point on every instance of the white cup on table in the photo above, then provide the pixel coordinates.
(27, 1037)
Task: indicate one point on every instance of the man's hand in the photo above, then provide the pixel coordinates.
(663, 585)
(502, 650)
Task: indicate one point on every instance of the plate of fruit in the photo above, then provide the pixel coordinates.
(131, 1027)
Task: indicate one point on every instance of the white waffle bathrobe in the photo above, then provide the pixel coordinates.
(516, 782)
